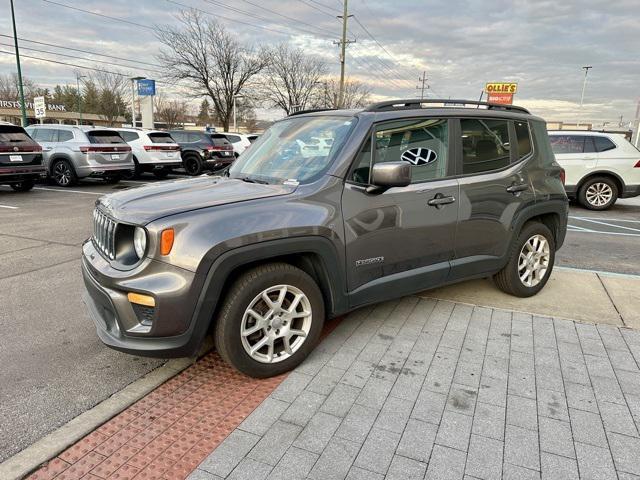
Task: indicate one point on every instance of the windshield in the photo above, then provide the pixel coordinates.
(289, 150)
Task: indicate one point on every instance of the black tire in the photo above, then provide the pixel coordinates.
(586, 198)
(134, 173)
(162, 174)
(112, 178)
(23, 186)
(192, 165)
(63, 174)
(245, 289)
(508, 279)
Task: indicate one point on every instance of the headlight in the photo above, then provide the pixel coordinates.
(140, 241)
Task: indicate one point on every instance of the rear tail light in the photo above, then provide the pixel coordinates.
(563, 176)
(214, 148)
(21, 148)
(637, 165)
(103, 149)
(162, 148)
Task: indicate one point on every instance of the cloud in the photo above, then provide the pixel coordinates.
(541, 44)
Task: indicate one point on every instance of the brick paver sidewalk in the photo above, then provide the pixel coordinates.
(429, 389)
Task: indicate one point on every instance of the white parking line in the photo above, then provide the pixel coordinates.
(9, 207)
(612, 225)
(65, 190)
(608, 219)
(584, 230)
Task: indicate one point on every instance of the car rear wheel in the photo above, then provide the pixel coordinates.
(23, 186)
(63, 174)
(530, 262)
(599, 193)
(192, 165)
(270, 321)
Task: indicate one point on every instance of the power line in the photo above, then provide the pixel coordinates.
(80, 58)
(328, 7)
(252, 14)
(287, 17)
(99, 14)
(89, 52)
(319, 9)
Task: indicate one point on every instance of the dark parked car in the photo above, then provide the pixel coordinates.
(20, 158)
(409, 196)
(203, 151)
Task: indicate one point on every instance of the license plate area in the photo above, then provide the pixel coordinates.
(115, 156)
(15, 158)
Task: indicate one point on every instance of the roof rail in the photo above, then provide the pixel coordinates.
(416, 103)
(312, 110)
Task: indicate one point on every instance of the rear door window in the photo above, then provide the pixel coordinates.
(104, 136)
(603, 144)
(523, 138)
(193, 137)
(160, 137)
(485, 145)
(46, 135)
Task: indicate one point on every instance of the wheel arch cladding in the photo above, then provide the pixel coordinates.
(606, 174)
(316, 256)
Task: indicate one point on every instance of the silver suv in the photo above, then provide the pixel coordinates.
(73, 152)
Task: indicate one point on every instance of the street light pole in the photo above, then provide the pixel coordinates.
(23, 107)
(584, 86)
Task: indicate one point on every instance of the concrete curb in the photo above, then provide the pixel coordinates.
(24, 462)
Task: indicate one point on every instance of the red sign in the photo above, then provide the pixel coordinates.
(502, 98)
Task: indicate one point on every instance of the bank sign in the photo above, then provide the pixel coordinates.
(146, 87)
(50, 106)
(500, 92)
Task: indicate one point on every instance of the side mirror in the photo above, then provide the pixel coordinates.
(390, 174)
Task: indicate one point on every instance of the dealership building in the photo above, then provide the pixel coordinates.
(57, 114)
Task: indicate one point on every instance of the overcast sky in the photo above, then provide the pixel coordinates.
(540, 44)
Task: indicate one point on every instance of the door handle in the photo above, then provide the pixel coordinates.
(440, 200)
(517, 188)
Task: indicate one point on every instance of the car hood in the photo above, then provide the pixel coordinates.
(142, 205)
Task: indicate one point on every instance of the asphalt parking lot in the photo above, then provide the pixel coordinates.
(54, 367)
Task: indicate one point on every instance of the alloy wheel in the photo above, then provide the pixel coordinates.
(62, 174)
(533, 262)
(276, 323)
(599, 194)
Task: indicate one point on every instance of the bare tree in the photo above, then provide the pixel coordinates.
(112, 93)
(292, 78)
(170, 111)
(203, 54)
(356, 94)
(9, 88)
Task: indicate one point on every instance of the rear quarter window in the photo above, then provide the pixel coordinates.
(65, 135)
(104, 136)
(603, 144)
(523, 138)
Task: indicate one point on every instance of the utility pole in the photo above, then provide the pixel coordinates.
(23, 106)
(78, 77)
(343, 47)
(422, 79)
(584, 86)
(133, 99)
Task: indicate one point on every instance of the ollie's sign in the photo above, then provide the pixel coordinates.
(499, 92)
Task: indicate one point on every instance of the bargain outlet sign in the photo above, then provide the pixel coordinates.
(499, 92)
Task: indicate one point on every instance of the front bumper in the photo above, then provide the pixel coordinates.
(120, 324)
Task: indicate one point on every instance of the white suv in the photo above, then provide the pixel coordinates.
(239, 141)
(599, 167)
(153, 151)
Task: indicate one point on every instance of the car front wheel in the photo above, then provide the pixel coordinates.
(531, 260)
(270, 321)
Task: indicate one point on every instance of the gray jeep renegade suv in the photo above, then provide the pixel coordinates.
(410, 195)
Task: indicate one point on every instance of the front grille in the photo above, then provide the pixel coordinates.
(104, 234)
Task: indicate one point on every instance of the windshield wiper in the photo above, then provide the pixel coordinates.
(252, 180)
